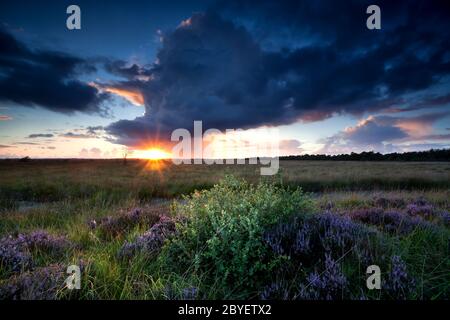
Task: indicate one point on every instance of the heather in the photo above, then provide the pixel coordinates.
(391, 221)
(150, 243)
(16, 252)
(43, 283)
(223, 232)
(115, 226)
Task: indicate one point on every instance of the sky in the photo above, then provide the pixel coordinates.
(311, 71)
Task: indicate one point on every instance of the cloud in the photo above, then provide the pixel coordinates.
(5, 117)
(27, 143)
(124, 69)
(40, 135)
(422, 103)
(92, 130)
(290, 147)
(2, 146)
(45, 78)
(76, 135)
(90, 153)
(420, 125)
(385, 134)
(241, 65)
(132, 95)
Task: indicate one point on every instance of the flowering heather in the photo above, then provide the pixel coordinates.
(40, 284)
(13, 257)
(391, 221)
(15, 252)
(421, 208)
(426, 210)
(399, 284)
(277, 290)
(151, 241)
(115, 226)
(339, 234)
(188, 293)
(444, 218)
(307, 239)
(41, 240)
(314, 245)
(327, 285)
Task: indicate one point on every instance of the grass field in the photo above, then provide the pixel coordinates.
(153, 230)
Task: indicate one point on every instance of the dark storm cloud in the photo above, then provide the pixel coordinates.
(246, 64)
(122, 68)
(45, 78)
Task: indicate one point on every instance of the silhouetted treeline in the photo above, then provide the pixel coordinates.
(430, 155)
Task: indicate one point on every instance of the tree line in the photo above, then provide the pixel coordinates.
(430, 155)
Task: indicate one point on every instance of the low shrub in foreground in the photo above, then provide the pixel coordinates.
(222, 235)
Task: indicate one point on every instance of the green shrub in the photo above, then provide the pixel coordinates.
(222, 235)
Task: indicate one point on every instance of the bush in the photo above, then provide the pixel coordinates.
(222, 237)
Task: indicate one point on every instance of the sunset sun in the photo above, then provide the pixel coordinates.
(154, 154)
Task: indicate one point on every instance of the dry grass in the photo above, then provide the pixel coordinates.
(43, 180)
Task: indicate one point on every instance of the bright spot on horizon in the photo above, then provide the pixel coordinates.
(152, 154)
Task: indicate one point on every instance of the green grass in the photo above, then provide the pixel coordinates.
(62, 196)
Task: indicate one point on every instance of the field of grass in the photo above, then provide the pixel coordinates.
(153, 230)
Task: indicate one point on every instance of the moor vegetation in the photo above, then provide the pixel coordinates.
(152, 230)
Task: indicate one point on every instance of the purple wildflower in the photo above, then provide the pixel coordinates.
(111, 227)
(309, 238)
(444, 218)
(277, 290)
(399, 284)
(40, 284)
(151, 241)
(15, 252)
(328, 285)
(13, 257)
(420, 208)
(391, 221)
(41, 240)
(190, 293)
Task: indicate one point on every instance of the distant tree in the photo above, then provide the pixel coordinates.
(125, 154)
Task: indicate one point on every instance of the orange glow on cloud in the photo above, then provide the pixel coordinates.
(135, 97)
(415, 127)
(5, 118)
